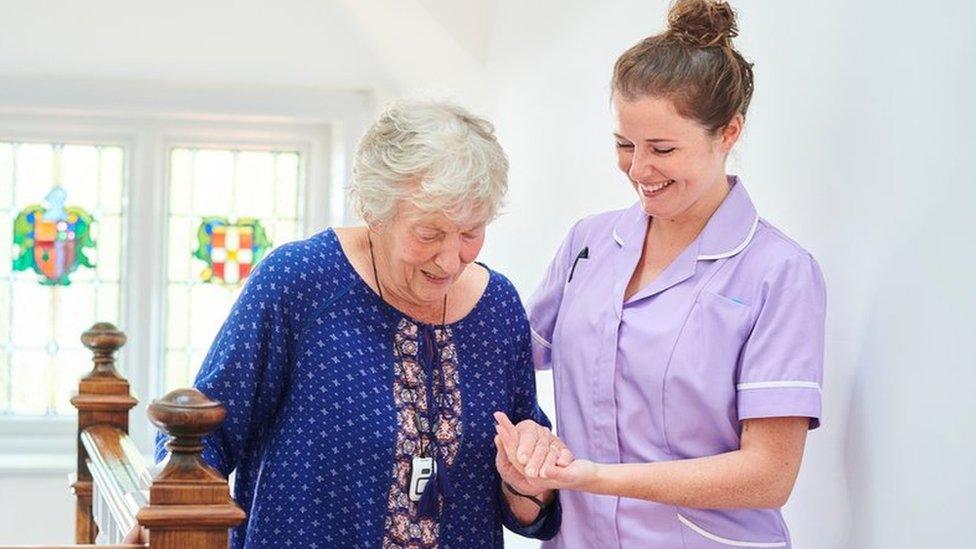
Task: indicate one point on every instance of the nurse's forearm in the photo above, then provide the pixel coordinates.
(759, 475)
(723, 481)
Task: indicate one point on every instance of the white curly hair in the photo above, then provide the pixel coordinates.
(437, 155)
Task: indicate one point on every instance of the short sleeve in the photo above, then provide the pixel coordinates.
(543, 307)
(781, 368)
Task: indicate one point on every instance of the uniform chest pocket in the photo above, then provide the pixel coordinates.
(712, 339)
(723, 321)
(708, 347)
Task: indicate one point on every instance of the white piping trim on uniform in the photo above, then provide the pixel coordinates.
(616, 237)
(726, 541)
(737, 249)
(778, 385)
(540, 340)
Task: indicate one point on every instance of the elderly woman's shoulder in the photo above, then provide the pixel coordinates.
(311, 265)
(500, 290)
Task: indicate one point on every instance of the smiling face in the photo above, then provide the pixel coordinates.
(421, 254)
(675, 164)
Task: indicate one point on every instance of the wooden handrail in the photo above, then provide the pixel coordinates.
(187, 503)
(120, 481)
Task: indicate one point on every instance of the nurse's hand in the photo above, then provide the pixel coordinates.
(559, 469)
(530, 447)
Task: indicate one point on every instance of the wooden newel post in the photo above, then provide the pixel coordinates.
(103, 398)
(189, 502)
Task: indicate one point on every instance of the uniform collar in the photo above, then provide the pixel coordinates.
(728, 231)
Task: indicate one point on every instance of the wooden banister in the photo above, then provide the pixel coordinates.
(103, 399)
(120, 481)
(189, 501)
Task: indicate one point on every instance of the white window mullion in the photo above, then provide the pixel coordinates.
(145, 273)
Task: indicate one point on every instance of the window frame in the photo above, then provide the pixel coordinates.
(148, 124)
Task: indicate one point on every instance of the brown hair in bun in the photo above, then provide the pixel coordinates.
(693, 63)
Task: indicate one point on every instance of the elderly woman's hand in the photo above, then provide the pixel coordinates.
(530, 447)
(532, 459)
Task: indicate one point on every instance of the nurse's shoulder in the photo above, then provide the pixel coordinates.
(773, 261)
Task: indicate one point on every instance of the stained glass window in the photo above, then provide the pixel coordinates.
(227, 208)
(61, 220)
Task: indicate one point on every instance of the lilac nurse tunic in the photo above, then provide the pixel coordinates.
(733, 329)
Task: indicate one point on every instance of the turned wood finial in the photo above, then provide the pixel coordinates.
(103, 399)
(186, 415)
(103, 339)
(189, 502)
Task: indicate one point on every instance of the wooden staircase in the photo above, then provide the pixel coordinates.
(186, 504)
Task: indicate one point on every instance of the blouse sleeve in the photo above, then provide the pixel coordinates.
(781, 369)
(246, 367)
(525, 406)
(545, 302)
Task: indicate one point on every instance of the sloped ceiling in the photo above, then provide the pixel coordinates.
(470, 22)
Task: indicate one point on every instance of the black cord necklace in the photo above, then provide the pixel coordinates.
(438, 485)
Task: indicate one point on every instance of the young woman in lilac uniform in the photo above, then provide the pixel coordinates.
(685, 333)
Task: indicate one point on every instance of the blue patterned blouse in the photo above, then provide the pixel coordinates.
(326, 388)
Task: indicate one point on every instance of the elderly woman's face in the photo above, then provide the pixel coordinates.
(427, 252)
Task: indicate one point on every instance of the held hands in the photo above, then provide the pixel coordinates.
(532, 459)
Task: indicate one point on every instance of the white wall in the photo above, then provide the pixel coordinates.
(859, 144)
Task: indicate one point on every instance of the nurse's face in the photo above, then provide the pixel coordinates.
(673, 162)
(424, 253)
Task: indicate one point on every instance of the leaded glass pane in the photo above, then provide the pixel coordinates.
(4, 382)
(181, 178)
(181, 236)
(112, 166)
(6, 239)
(4, 319)
(253, 195)
(75, 313)
(213, 175)
(79, 175)
(60, 257)
(177, 370)
(32, 323)
(209, 305)
(286, 185)
(178, 316)
(69, 366)
(33, 172)
(6, 179)
(227, 208)
(30, 373)
(109, 242)
(107, 304)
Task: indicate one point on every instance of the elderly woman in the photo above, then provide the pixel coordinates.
(360, 367)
